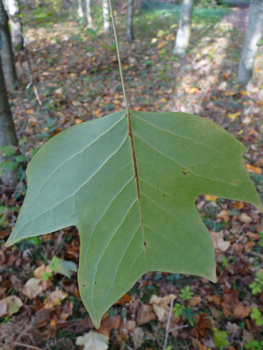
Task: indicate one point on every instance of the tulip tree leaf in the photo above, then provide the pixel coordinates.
(130, 185)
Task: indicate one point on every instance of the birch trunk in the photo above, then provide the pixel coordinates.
(106, 16)
(130, 34)
(16, 27)
(7, 131)
(254, 34)
(88, 12)
(80, 9)
(184, 30)
(8, 62)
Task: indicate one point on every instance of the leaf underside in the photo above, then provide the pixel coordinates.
(131, 222)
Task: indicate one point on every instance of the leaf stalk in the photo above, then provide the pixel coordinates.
(119, 57)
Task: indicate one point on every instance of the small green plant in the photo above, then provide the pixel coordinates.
(256, 315)
(257, 284)
(13, 161)
(220, 338)
(178, 309)
(187, 313)
(224, 262)
(254, 345)
(185, 293)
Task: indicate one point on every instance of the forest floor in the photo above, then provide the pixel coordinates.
(76, 76)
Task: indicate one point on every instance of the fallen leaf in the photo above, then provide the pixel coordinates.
(233, 116)
(41, 270)
(32, 288)
(93, 341)
(161, 306)
(219, 337)
(210, 198)
(30, 111)
(223, 215)
(54, 298)
(232, 328)
(238, 205)
(137, 336)
(241, 311)
(11, 304)
(230, 297)
(254, 236)
(62, 266)
(124, 300)
(145, 314)
(66, 310)
(108, 323)
(218, 241)
(245, 218)
(253, 169)
(195, 301)
(201, 327)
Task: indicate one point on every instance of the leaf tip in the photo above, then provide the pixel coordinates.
(96, 323)
(213, 277)
(8, 243)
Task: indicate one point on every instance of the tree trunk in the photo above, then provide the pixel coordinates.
(8, 62)
(16, 26)
(106, 16)
(254, 34)
(130, 34)
(184, 30)
(88, 12)
(7, 131)
(80, 9)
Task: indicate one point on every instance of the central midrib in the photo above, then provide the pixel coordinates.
(137, 183)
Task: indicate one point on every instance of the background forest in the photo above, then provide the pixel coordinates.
(62, 70)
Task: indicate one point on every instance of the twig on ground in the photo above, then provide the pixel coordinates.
(32, 80)
(27, 346)
(175, 329)
(168, 325)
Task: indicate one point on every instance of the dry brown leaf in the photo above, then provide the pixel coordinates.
(39, 271)
(124, 300)
(66, 310)
(223, 215)
(137, 336)
(130, 325)
(248, 247)
(238, 205)
(241, 311)
(32, 288)
(232, 328)
(238, 249)
(145, 314)
(201, 327)
(218, 241)
(108, 323)
(254, 236)
(247, 336)
(245, 218)
(226, 309)
(54, 298)
(11, 304)
(195, 301)
(161, 306)
(253, 169)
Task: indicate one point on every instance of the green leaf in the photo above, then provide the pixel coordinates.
(219, 337)
(133, 217)
(62, 266)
